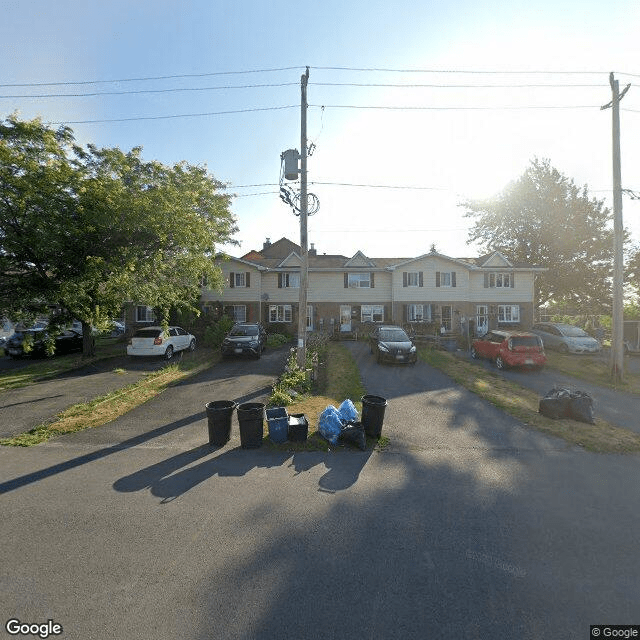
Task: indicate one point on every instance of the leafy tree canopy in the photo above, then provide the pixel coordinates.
(543, 219)
(88, 229)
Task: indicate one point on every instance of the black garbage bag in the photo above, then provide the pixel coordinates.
(581, 407)
(563, 403)
(353, 432)
(555, 403)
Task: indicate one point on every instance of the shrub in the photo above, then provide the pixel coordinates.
(214, 334)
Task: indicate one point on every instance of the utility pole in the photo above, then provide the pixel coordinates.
(617, 324)
(304, 269)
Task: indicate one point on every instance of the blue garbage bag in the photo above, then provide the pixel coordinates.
(330, 424)
(348, 412)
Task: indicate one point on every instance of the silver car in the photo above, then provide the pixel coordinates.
(565, 338)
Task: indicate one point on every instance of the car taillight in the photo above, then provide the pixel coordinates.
(158, 340)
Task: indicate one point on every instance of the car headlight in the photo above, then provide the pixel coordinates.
(383, 347)
(413, 349)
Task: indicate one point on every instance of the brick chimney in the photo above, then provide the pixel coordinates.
(266, 244)
(312, 250)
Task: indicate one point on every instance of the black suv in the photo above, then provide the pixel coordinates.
(245, 339)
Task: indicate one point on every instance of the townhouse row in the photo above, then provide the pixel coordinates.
(439, 293)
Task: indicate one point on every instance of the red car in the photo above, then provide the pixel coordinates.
(510, 349)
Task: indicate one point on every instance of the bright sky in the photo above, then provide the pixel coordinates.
(438, 145)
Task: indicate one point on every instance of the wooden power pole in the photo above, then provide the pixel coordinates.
(304, 269)
(617, 324)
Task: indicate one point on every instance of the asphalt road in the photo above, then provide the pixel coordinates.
(467, 526)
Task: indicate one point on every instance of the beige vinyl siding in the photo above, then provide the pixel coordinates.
(236, 294)
(521, 293)
(429, 292)
(284, 295)
(329, 287)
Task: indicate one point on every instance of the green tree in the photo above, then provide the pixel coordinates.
(89, 229)
(544, 219)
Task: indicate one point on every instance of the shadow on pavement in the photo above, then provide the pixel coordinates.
(29, 478)
(165, 479)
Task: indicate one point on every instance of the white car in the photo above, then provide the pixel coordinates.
(155, 341)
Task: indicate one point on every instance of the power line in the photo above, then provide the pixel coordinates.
(431, 108)
(301, 67)
(289, 84)
(456, 86)
(148, 78)
(463, 71)
(180, 115)
(142, 91)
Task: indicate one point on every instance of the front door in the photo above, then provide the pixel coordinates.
(345, 317)
(482, 319)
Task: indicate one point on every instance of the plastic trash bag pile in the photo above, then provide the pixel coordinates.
(342, 424)
(563, 403)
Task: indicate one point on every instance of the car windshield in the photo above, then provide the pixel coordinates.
(525, 341)
(147, 333)
(244, 331)
(394, 335)
(573, 332)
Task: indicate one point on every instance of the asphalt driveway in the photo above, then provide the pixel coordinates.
(616, 407)
(468, 525)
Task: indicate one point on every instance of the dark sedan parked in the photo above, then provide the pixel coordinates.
(392, 344)
(66, 342)
(245, 338)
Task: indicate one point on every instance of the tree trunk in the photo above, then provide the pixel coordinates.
(88, 341)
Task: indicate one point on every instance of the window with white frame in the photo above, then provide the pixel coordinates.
(419, 313)
(508, 313)
(145, 314)
(445, 278)
(280, 313)
(500, 280)
(239, 312)
(372, 313)
(413, 279)
(238, 279)
(359, 280)
(290, 280)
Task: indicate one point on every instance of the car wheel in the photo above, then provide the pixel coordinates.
(474, 353)
(563, 349)
(192, 346)
(500, 363)
(168, 354)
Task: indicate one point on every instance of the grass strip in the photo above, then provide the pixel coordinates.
(338, 380)
(53, 367)
(594, 369)
(522, 404)
(100, 411)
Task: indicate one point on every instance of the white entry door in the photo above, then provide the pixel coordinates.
(482, 319)
(345, 317)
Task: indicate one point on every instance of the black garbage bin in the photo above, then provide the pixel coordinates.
(219, 414)
(373, 414)
(251, 421)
